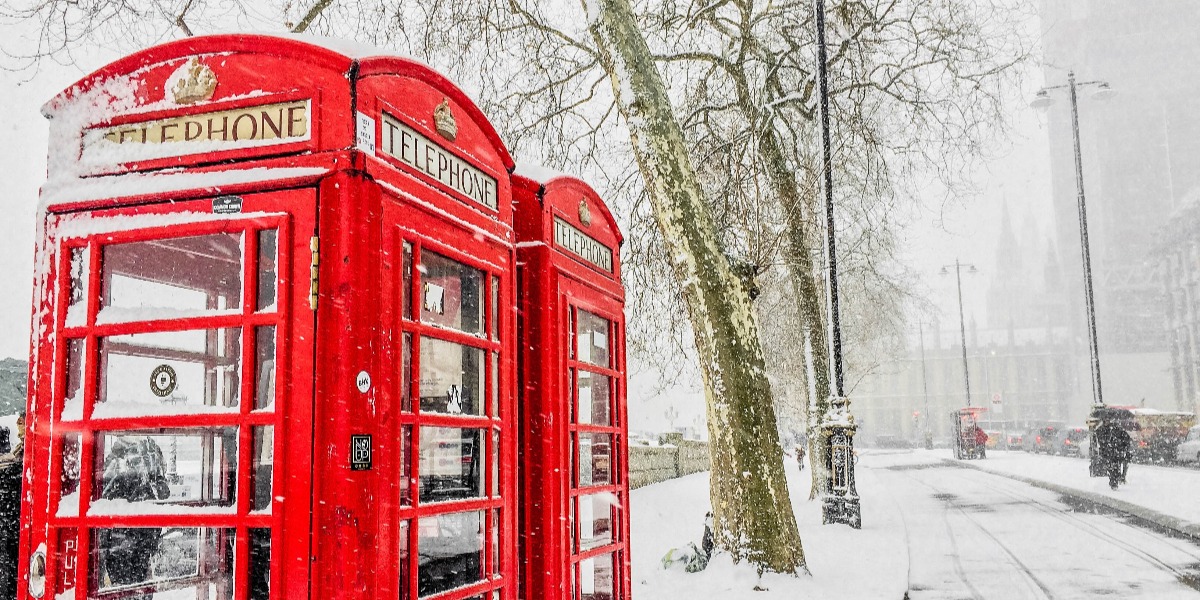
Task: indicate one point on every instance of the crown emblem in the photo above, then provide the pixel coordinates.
(585, 215)
(443, 120)
(198, 85)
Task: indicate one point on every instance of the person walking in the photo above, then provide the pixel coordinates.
(1114, 445)
(12, 466)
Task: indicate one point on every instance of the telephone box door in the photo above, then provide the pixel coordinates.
(171, 445)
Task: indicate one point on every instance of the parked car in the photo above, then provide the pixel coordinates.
(1015, 440)
(1043, 439)
(1071, 441)
(1189, 449)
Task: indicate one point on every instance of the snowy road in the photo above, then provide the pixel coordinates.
(971, 534)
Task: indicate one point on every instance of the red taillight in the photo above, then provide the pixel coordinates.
(1067, 442)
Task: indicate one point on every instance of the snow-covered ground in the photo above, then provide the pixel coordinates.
(937, 530)
(671, 514)
(1171, 491)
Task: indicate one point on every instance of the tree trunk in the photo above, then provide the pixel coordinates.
(808, 295)
(752, 513)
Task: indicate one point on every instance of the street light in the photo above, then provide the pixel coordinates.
(925, 386)
(840, 503)
(1043, 100)
(962, 324)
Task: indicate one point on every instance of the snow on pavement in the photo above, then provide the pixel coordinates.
(1172, 491)
(973, 534)
(970, 535)
(870, 563)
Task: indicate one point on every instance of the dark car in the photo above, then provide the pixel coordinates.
(1071, 441)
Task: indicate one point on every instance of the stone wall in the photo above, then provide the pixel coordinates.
(676, 457)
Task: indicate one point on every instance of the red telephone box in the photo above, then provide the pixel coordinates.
(274, 333)
(572, 382)
(275, 347)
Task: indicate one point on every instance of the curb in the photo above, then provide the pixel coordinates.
(1176, 525)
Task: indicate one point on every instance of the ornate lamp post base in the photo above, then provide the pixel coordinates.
(840, 503)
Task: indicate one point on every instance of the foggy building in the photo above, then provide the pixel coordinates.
(1179, 255)
(1139, 150)
(1022, 376)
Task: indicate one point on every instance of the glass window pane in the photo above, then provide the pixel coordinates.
(495, 463)
(593, 338)
(77, 309)
(451, 464)
(264, 367)
(595, 520)
(196, 559)
(171, 278)
(572, 516)
(263, 438)
(402, 560)
(495, 385)
(451, 551)
(595, 459)
(496, 543)
(451, 377)
(406, 281)
(193, 470)
(451, 294)
(406, 373)
(406, 474)
(73, 395)
(593, 398)
(268, 275)
(496, 316)
(260, 564)
(596, 578)
(169, 373)
(68, 504)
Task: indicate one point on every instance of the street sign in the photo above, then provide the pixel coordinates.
(997, 403)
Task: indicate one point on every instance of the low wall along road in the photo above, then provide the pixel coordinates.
(675, 458)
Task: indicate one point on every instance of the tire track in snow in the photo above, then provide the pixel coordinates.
(1038, 584)
(1076, 520)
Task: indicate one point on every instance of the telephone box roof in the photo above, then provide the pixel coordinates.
(353, 59)
(544, 180)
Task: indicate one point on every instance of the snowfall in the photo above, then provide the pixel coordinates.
(908, 546)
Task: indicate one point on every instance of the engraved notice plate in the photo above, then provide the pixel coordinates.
(364, 133)
(360, 453)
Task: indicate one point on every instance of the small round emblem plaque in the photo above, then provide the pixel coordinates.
(163, 380)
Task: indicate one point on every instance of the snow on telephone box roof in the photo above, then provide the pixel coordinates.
(206, 103)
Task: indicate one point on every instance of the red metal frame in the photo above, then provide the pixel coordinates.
(48, 427)
(556, 284)
(358, 221)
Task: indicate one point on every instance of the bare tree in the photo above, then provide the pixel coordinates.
(751, 506)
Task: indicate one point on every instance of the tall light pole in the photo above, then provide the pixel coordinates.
(1096, 466)
(840, 503)
(925, 386)
(1043, 100)
(962, 323)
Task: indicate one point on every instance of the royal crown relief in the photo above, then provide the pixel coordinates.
(193, 84)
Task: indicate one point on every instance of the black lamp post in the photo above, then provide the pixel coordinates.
(840, 502)
(962, 323)
(1043, 100)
